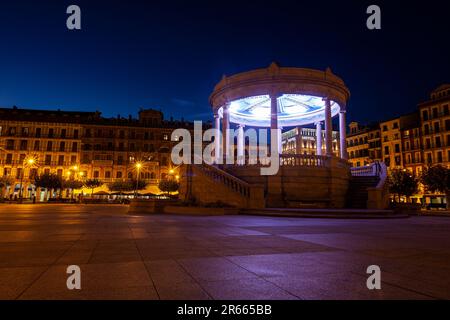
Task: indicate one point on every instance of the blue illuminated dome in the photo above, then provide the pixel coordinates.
(300, 92)
(293, 109)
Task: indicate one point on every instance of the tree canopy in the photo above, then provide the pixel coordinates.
(403, 183)
(436, 179)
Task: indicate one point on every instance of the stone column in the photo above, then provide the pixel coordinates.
(280, 141)
(217, 139)
(225, 128)
(328, 128)
(240, 145)
(319, 138)
(342, 134)
(274, 117)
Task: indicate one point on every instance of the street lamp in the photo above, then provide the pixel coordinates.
(30, 162)
(138, 168)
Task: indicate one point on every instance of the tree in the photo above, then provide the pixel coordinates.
(168, 185)
(48, 181)
(402, 183)
(92, 184)
(437, 179)
(120, 186)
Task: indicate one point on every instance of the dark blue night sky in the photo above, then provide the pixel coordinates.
(169, 55)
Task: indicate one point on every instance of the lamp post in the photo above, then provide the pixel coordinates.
(30, 162)
(138, 168)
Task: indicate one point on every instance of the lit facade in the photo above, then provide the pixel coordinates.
(83, 145)
(435, 127)
(304, 141)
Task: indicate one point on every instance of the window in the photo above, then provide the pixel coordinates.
(74, 147)
(23, 144)
(119, 174)
(447, 125)
(436, 127)
(107, 174)
(385, 128)
(96, 174)
(386, 150)
(73, 160)
(9, 158)
(75, 134)
(38, 132)
(63, 133)
(25, 132)
(62, 146)
(429, 158)
(60, 160)
(397, 148)
(395, 125)
(438, 142)
(18, 173)
(12, 131)
(439, 157)
(37, 145)
(446, 111)
(425, 115)
(428, 144)
(10, 144)
(426, 129)
(48, 159)
(50, 133)
(435, 112)
(49, 146)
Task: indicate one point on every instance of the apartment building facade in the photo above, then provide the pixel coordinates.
(83, 145)
(435, 127)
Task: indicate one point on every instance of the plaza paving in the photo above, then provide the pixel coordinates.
(221, 257)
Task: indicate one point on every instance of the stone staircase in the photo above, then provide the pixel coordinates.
(357, 194)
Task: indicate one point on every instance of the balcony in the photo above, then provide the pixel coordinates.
(102, 163)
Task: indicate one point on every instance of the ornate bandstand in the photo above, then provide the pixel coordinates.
(276, 98)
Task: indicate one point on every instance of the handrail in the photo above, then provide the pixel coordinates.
(226, 179)
(375, 169)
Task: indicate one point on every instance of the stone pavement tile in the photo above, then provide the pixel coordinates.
(172, 282)
(126, 293)
(244, 252)
(165, 254)
(96, 279)
(14, 281)
(20, 235)
(212, 269)
(245, 289)
(29, 254)
(338, 240)
(110, 251)
(107, 236)
(279, 265)
(79, 253)
(344, 286)
(435, 289)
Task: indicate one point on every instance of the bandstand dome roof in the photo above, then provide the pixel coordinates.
(300, 95)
